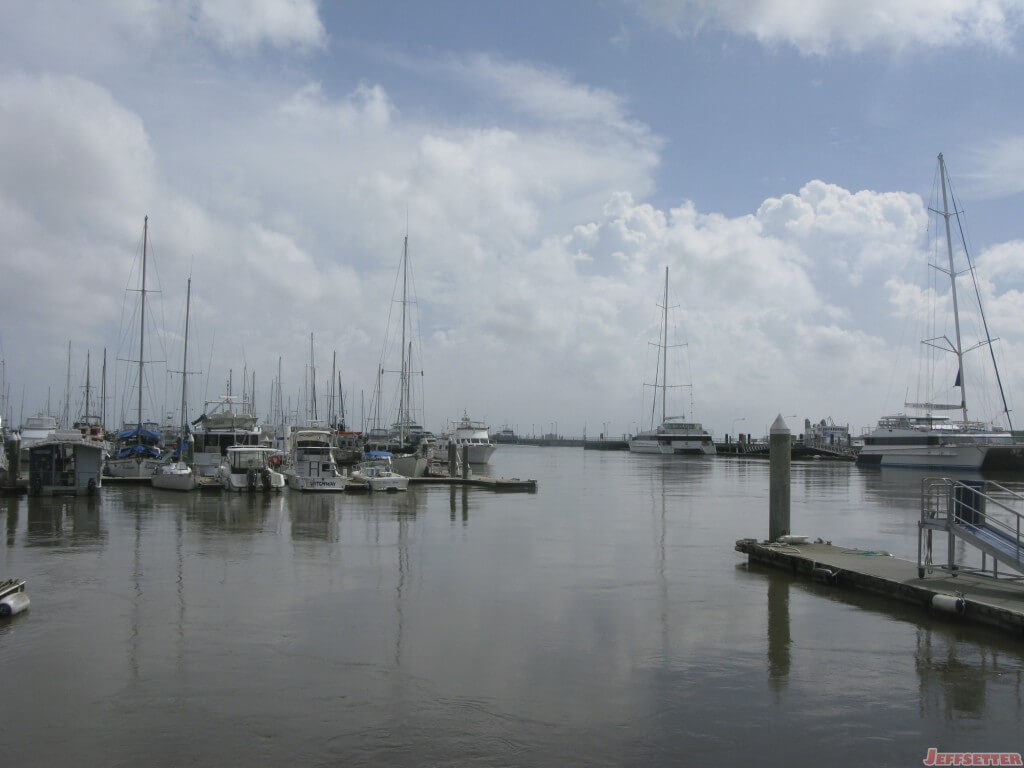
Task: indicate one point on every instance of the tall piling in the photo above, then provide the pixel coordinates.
(779, 458)
(465, 462)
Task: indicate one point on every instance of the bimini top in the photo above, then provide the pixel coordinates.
(379, 454)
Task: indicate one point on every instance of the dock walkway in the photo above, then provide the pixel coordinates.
(978, 598)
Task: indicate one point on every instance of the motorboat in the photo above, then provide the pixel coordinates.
(472, 437)
(377, 474)
(249, 468)
(311, 464)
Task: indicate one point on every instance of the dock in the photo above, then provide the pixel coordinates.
(972, 597)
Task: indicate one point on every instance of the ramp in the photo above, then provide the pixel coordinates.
(985, 515)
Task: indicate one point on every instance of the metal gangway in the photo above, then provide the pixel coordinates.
(984, 514)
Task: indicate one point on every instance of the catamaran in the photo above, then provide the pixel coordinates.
(674, 435)
(925, 438)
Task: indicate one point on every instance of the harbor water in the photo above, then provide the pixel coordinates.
(604, 620)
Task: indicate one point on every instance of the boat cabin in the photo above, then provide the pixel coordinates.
(65, 467)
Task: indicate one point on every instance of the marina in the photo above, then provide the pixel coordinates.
(601, 617)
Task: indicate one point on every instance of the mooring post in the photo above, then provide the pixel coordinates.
(453, 458)
(465, 462)
(779, 452)
(13, 448)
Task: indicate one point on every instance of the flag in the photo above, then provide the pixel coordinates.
(959, 381)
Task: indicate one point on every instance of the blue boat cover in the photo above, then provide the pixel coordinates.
(379, 454)
(145, 434)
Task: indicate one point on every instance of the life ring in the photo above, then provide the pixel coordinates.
(276, 460)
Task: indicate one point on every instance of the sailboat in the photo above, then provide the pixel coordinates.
(177, 473)
(925, 439)
(136, 451)
(674, 435)
(404, 438)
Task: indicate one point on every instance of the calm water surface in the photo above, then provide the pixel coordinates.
(605, 620)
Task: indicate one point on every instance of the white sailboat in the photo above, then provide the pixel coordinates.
(403, 439)
(925, 438)
(674, 435)
(177, 473)
(136, 451)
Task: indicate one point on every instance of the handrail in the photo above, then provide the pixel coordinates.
(968, 514)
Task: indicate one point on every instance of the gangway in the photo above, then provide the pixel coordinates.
(984, 514)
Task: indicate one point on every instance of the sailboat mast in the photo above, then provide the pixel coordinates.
(952, 279)
(184, 358)
(103, 392)
(67, 392)
(142, 321)
(86, 418)
(330, 399)
(664, 351)
(312, 383)
(403, 415)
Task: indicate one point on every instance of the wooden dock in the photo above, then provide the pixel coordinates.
(963, 594)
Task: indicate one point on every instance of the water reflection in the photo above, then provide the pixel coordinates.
(314, 515)
(455, 492)
(60, 522)
(242, 513)
(779, 638)
(954, 676)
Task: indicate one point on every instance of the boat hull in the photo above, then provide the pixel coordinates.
(318, 484)
(175, 479)
(131, 467)
(965, 458)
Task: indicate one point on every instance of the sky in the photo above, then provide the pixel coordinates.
(547, 162)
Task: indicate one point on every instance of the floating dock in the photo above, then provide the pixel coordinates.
(972, 596)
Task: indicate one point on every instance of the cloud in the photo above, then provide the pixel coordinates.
(836, 25)
(242, 25)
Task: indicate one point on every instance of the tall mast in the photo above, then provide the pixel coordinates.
(184, 358)
(330, 400)
(86, 417)
(142, 321)
(952, 279)
(312, 383)
(67, 393)
(403, 407)
(103, 392)
(664, 351)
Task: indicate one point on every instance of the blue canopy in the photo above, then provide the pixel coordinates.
(379, 454)
(138, 450)
(145, 434)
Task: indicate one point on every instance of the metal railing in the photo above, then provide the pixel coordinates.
(984, 514)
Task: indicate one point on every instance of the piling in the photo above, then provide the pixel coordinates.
(779, 444)
(13, 448)
(465, 462)
(453, 458)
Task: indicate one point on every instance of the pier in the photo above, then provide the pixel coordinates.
(982, 515)
(972, 596)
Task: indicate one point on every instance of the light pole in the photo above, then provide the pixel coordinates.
(738, 418)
